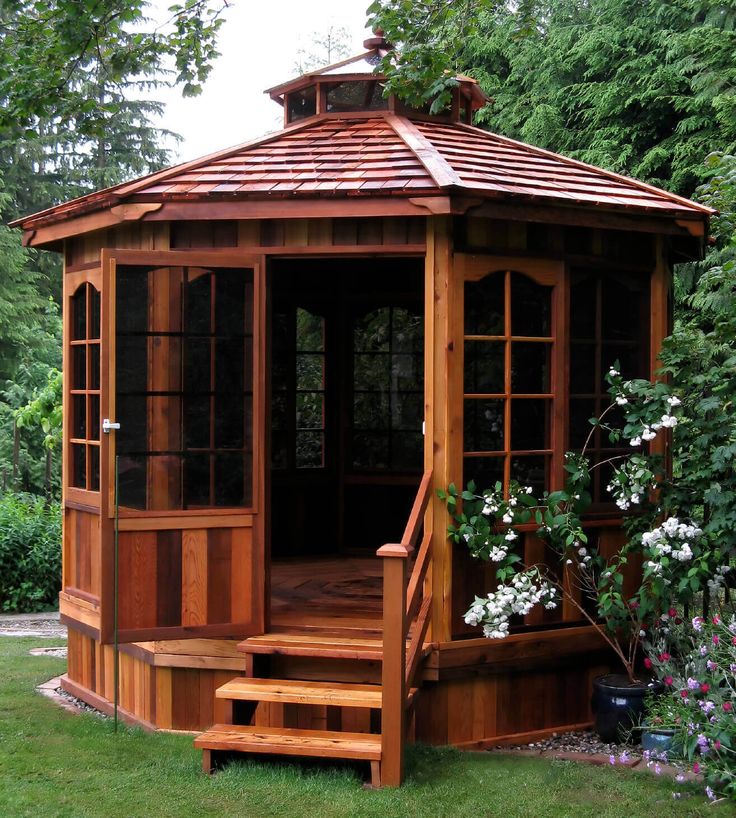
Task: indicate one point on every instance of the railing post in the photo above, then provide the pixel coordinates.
(393, 708)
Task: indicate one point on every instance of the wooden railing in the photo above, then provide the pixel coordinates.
(406, 615)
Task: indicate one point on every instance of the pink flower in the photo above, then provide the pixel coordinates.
(727, 706)
(733, 640)
(633, 604)
(717, 745)
(683, 693)
(648, 663)
(668, 681)
(664, 657)
(716, 620)
(672, 612)
(705, 687)
(716, 639)
(696, 768)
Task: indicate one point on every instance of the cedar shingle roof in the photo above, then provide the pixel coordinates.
(384, 155)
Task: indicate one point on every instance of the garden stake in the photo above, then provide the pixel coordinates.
(115, 609)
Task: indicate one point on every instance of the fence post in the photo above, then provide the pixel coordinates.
(393, 708)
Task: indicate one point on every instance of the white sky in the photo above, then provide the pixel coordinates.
(258, 44)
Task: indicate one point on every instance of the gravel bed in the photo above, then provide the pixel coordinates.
(79, 704)
(58, 653)
(583, 741)
(42, 625)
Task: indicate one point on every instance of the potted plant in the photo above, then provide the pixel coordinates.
(674, 560)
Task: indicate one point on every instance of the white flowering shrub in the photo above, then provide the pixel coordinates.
(675, 555)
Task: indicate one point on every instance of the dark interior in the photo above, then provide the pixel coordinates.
(346, 402)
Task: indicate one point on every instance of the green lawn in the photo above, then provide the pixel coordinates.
(54, 763)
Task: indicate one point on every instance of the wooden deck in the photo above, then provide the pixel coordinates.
(340, 593)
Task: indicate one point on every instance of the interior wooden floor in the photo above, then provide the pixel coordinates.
(336, 592)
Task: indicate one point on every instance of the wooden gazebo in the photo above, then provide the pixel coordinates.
(302, 338)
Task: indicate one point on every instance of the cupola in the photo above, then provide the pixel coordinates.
(355, 86)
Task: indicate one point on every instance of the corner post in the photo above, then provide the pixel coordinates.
(393, 674)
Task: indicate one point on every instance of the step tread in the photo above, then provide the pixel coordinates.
(294, 691)
(328, 646)
(290, 741)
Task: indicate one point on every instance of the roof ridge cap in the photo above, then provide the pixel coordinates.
(431, 159)
(619, 177)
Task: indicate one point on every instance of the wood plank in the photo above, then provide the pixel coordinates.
(290, 741)
(194, 577)
(302, 692)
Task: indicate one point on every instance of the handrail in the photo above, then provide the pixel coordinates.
(404, 605)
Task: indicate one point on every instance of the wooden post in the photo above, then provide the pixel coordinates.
(393, 707)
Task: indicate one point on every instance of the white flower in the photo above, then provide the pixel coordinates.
(613, 372)
(621, 400)
(508, 517)
(582, 552)
(648, 434)
(486, 510)
(635, 441)
(529, 489)
(513, 501)
(511, 536)
(669, 421)
(634, 498)
(673, 400)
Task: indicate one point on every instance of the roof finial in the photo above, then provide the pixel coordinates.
(377, 41)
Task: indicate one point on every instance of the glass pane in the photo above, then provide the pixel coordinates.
(372, 371)
(310, 371)
(94, 366)
(531, 307)
(407, 450)
(279, 411)
(198, 302)
(79, 417)
(301, 104)
(309, 450)
(197, 414)
(93, 433)
(197, 480)
(484, 305)
(484, 367)
(629, 358)
(131, 296)
(582, 368)
(484, 424)
(79, 465)
(310, 410)
(230, 302)
(94, 318)
(94, 468)
(356, 96)
(530, 425)
(79, 314)
(407, 411)
(407, 372)
(79, 367)
(371, 450)
(279, 450)
(309, 331)
(484, 471)
(407, 332)
(581, 410)
(583, 299)
(371, 332)
(230, 365)
(621, 311)
(530, 368)
(197, 365)
(530, 471)
(371, 410)
(230, 483)
(131, 364)
(614, 419)
(230, 421)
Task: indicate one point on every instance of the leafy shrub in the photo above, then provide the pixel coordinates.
(30, 553)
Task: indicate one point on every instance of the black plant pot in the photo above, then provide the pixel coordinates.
(618, 704)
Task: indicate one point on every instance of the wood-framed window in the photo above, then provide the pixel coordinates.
(388, 390)
(184, 369)
(513, 373)
(298, 389)
(83, 422)
(609, 323)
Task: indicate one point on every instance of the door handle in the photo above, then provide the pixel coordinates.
(109, 426)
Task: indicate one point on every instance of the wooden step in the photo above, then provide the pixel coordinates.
(288, 691)
(290, 741)
(301, 644)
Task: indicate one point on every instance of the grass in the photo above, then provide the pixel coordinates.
(57, 765)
